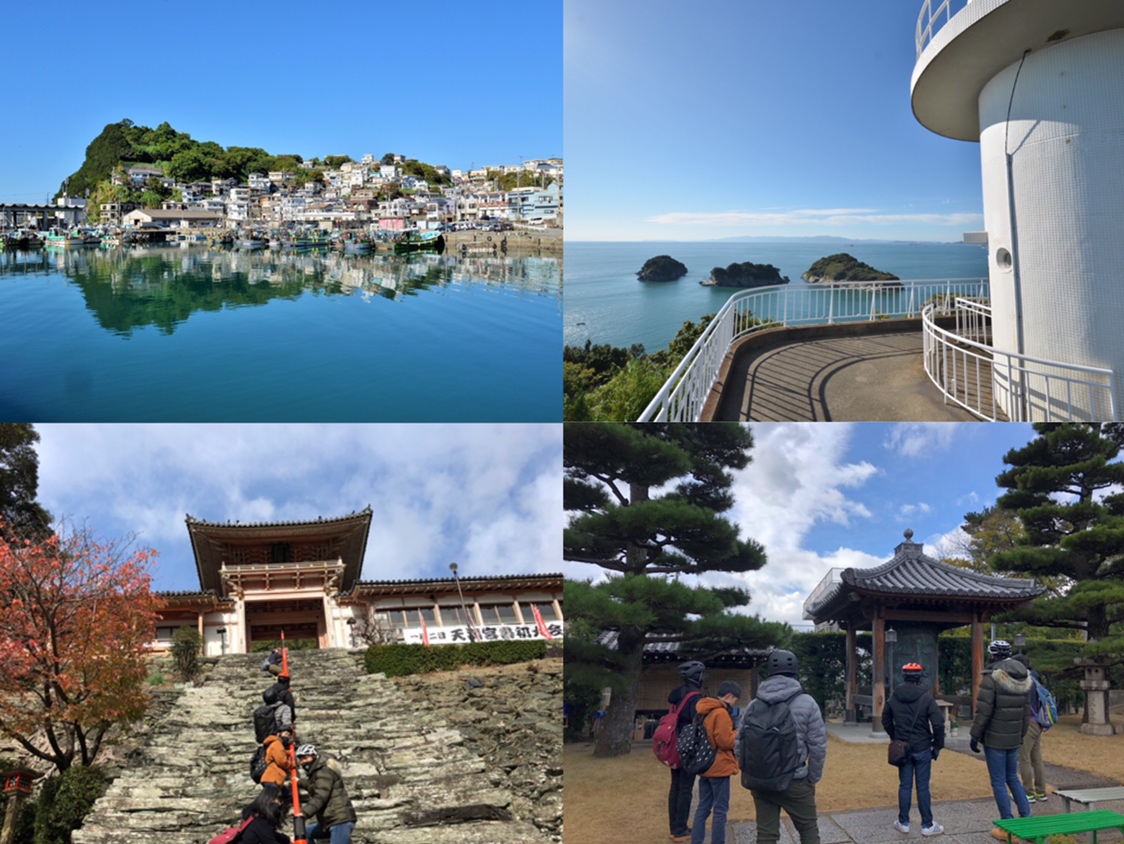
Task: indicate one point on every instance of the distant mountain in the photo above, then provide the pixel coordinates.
(817, 239)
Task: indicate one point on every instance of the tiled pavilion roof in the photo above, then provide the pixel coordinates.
(911, 578)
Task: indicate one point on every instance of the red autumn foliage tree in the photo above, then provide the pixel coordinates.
(76, 615)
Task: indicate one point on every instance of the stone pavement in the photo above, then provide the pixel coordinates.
(964, 821)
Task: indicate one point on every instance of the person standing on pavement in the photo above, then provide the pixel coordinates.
(682, 783)
(1002, 719)
(912, 715)
(798, 798)
(714, 783)
(1031, 769)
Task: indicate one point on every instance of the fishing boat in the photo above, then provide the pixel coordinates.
(356, 247)
(110, 241)
(62, 240)
(20, 239)
(419, 242)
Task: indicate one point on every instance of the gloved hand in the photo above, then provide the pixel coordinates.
(936, 753)
(975, 745)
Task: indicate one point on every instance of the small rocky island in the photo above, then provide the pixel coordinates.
(661, 268)
(844, 267)
(745, 275)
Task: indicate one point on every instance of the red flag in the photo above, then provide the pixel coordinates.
(541, 624)
(425, 632)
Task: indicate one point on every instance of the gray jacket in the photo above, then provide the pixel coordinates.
(811, 736)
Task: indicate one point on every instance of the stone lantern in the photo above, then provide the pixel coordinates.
(1096, 686)
(17, 787)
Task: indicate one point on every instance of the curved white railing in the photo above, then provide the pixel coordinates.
(682, 397)
(929, 21)
(997, 385)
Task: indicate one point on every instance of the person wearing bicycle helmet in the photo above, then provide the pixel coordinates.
(693, 673)
(1001, 722)
(327, 801)
(912, 715)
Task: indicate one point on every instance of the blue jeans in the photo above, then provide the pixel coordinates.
(919, 766)
(1003, 768)
(714, 793)
(338, 834)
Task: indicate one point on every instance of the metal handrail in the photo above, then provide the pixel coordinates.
(1022, 387)
(683, 395)
(929, 21)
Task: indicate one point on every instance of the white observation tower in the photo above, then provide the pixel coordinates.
(1040, 85)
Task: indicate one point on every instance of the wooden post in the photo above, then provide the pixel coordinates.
(977, 658)
(852, 677)
(878, 674)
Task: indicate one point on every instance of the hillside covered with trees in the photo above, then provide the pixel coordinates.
(844, 267)
(185, 159)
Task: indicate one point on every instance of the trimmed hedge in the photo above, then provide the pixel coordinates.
(64, 801)
(398, 660)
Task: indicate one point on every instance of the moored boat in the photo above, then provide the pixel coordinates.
(419, 242)
(59, 239)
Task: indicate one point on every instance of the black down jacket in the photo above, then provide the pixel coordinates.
(1003, 706)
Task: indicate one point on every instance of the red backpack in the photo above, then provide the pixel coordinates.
(666, 737)
(232, 834)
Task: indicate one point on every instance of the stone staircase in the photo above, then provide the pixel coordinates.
(411, 777)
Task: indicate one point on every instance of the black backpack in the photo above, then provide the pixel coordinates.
(695, 752)
(263, 721)
(258, 764)
(769, 751)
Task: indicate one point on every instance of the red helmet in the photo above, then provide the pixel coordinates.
(912, 668)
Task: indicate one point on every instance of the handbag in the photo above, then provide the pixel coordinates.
(898, 751)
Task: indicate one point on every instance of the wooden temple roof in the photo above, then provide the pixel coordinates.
(663, 652)
(517, 582)
(344, 538)
(911, 579)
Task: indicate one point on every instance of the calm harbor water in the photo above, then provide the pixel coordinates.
(194, 334)
(606, 303)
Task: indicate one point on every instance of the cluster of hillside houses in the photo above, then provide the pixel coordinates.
(348, 197)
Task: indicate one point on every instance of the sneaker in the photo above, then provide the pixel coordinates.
(1031, 797)
(1040, 797)
(932, 829)
(996, 832)
(901, 827)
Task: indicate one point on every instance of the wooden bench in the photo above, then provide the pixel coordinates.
(1091, 796)
(1040, 828)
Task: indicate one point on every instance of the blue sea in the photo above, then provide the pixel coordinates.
(606, 303)
(192, 334)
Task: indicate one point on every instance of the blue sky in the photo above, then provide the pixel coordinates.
(726, 118)
(828, 495)
(446, 82)
(487, 497)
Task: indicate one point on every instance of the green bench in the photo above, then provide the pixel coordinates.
(1040, 828)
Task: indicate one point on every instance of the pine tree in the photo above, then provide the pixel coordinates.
(647, 501)
(1064, 487)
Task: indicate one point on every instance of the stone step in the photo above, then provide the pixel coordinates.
(410, 775)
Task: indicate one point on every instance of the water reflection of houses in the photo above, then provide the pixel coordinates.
(303, 578)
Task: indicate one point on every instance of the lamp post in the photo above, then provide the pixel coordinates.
(1020, 641)
(222, 639)
(891, 640)
(464, 609)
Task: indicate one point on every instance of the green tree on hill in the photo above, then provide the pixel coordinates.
(647, 501)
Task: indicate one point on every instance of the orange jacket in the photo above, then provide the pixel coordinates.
(720, 730)
(278, 765)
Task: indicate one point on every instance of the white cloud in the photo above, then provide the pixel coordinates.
(799, 477)
(485, 496)
(908, 510)
(826, 216)
(916, 438)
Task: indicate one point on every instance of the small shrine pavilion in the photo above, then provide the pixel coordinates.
(257, 580)
(906, 603)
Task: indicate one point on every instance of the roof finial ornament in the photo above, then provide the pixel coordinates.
(908, 535)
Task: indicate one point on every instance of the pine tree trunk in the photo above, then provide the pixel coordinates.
(615, 738)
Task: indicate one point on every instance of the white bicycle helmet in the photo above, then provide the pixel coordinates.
(307, 750)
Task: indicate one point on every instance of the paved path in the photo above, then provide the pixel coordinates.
(868, 378)
(964, 821)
